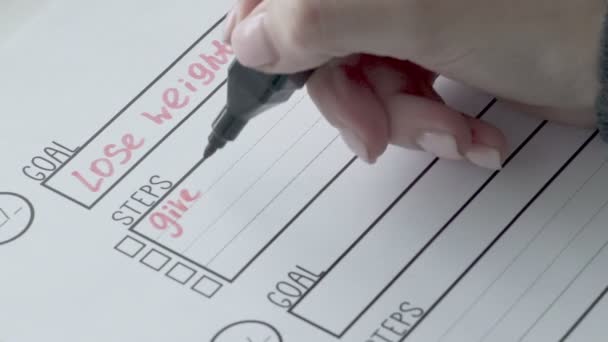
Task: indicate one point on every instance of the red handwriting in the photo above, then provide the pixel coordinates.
(170, 213)
(104, 167)
(200, 74)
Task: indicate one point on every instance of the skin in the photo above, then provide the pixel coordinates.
(377, 61)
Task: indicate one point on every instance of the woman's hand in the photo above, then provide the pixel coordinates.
(377, 61)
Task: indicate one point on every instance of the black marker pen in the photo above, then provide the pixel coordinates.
(250, 92)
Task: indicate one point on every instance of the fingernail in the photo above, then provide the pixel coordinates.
(439, 144)
(251, 42)
(485, 157)
(356, 145)
(229, 24)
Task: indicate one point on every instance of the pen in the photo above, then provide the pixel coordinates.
(250, 92)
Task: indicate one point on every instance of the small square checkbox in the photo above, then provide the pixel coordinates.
(155, 260)
(181, 273)
(129, 246)
(207, 286)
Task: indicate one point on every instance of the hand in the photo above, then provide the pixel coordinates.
(377, 61)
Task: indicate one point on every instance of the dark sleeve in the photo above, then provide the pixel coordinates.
(602, 99)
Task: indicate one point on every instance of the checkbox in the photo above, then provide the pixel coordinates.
(207, 287)
(129, 246)
(155, 260)
(181, 273)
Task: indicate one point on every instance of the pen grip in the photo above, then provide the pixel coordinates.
(299, 79)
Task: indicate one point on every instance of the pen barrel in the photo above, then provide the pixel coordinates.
(299, 79)
(251, 92)
(227, 126)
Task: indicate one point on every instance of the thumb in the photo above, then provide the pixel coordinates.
(283, 36)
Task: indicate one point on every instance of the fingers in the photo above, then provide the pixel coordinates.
(283, 36)
(488, 146)
(372, 101)
(349, 103)
(380, 101)
(241, 10)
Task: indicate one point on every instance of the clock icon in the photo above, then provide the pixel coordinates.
(16, 216)
(248, 331)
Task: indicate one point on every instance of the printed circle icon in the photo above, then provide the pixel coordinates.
(248, 331)
(16, 216)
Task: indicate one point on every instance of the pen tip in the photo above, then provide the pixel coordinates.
(209, 151)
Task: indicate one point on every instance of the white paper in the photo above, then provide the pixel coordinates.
(112, 230)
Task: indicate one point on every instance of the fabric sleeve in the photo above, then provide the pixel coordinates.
(602, 98)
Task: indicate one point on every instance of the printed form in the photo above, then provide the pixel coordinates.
(111, 228)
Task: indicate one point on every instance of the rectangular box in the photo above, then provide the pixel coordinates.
(155, 260)
(129, 246)
(448, 258)
(139, 128)
(523, 252)
(181, 273)
(206, 286)
(426, 211)
(211, 216)
(579, 261)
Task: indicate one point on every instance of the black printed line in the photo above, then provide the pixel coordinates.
(314, 324)
(200, 162)
(299, 213)
(540, 276)
(230, 169)
(167, 249)
(272, 201)
(584, 315)
(545, 270)
(213, 224)
(360, 238)
(152, 149)
(199, 264)
(143, 92)
(565, 289)
(6, 218)
(454, 217)
(498, 237)
(519, 255)
(353, 245)
(104, 127)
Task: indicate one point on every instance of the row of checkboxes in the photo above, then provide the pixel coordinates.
(157, 261)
